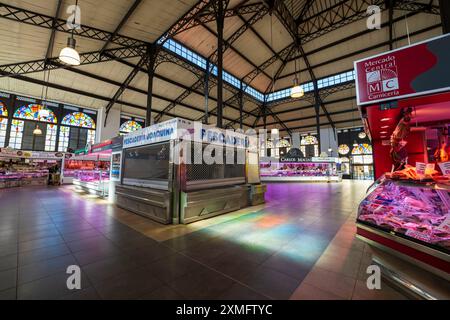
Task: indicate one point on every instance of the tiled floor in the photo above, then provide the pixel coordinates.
(300, 245)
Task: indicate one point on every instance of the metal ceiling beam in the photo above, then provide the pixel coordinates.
(36, 19)
(124, 20)
(67, 89)
(207, 17)
(350, 98)
(324, 124)
(213, 60)
(305, 9)
(51, 42)
(283, 14)
(314, 116)
(353, 53)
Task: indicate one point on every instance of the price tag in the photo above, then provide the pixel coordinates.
(420, 168)
(445, 167)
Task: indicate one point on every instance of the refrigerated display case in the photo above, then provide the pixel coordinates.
(405, 216)
(92, 181)
(306, 169)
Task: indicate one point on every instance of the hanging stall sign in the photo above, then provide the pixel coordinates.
(11, 153)
(159, 132)
(396, 75)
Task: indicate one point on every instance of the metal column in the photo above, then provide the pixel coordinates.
(220, 25)
(445, 15)
(241, 107)
(317, 109)
(151, 56)
(206, 92)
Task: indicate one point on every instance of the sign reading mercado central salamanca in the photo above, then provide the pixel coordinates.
(422, 68)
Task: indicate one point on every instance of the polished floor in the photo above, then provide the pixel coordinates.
(299, 245)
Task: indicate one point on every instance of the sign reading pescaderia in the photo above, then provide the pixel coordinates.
(407, 72)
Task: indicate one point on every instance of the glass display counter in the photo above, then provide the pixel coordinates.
(410, 219)
(92, 181)
(308, 170)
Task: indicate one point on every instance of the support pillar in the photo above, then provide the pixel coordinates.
(220, 19)
(151, 56)
(241, 107)
(206, 92)
(444, 6)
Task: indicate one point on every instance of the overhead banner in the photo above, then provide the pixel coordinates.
(415, 70)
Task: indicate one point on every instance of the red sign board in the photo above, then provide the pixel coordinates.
(419, 69)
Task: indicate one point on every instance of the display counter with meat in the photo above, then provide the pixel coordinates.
(92, 181)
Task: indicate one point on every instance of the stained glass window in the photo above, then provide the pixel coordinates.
(3, 110)
(362, 148)
(3, 126)
(15, 140)
(362, 135)
(130, 126)
(91, 136)
(79, 119)
(309, 140)
(63, 139)
(283, 143)
(344, 159)
(50, 137)
(35, 112)
(343, 149)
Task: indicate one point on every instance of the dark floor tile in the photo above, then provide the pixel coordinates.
(80, 235)
(271, 283)
(293, 266)
(102, 270)
(240, 292)
(232, 265)
(89, 244)
(40, 243)
(9, 294)
(8, 279)
(34, 235)
(45, 268)
(49, 288)
(128, 285)
(8, 262)
(74, 228)
(95, 254)
(172, 267)
(131, 241)
(46, 253)
(162, 293)
(148, 254)
(202, 284)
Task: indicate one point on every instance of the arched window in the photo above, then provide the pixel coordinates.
(35, 112)
(130, 126)
(77, 130)
(362, 149)
(3, 110)
(3, 124)
(343, 149)
(309, 146)
(78, 119)
(362, 154)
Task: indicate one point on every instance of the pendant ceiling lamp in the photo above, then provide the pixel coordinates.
(297, 90)
(69, 55)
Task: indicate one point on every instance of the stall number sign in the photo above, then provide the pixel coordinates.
(157, 133)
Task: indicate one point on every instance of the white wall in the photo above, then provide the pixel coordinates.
(111, 129)
(328, 139)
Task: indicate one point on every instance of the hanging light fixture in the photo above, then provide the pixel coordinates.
(355, 144)
(37, 131)
(69, 55)
(297, 90)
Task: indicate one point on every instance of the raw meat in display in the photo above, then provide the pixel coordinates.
(418, 212)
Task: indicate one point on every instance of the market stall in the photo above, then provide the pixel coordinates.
(180, 171)
(406, 107)
(298, 169)
(29, 168)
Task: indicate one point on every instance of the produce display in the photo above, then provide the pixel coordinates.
(420, 211)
